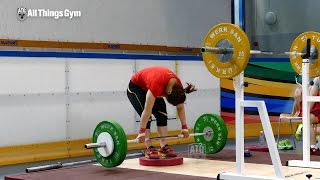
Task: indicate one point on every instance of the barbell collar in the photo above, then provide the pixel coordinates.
(95, 145)
(261, 52)
(216, 50)
(294, 53)
(103, 144)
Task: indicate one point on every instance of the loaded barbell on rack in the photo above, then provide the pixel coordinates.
(226, 51)
(110, 144)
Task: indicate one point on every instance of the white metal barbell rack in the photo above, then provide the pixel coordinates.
(305, 162)
(273, 151)
(239, 116)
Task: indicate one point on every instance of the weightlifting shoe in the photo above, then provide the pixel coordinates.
(151, 153)
(166, 151)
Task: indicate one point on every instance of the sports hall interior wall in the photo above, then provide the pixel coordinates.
(51, 105)
(54, 94)
(271, 26)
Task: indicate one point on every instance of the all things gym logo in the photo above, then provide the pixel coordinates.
(197, 151)
(23, 13)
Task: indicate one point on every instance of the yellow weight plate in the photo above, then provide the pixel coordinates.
(298, 46)
(241, 53)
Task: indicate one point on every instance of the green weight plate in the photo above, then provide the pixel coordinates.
(218, 139)
(120, 143)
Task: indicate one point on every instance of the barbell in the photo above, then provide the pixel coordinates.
(110, 144)
(59, 165)
(226, 51)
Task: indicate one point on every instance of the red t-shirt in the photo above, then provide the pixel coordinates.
(154, 79)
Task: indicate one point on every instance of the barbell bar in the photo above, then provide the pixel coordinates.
(226, 51)
(59, 165)
(104, 144)
(110, 144)
(221, 50)
(207, 133)
(170, 118)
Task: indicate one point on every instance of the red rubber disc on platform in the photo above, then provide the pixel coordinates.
(257, 147)
(161, 162)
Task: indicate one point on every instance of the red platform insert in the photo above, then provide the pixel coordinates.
(161, 162)
(257, 147)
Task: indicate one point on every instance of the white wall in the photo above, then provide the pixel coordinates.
(161, 22)
(33, 104)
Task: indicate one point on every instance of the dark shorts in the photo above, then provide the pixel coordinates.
(137, 97)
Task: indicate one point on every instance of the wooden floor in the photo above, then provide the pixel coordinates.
(92, 172)
(211, 168)
(201, 169)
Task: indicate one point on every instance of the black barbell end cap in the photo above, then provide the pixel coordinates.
(309, 176)
(311, 83)
(308, 53)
